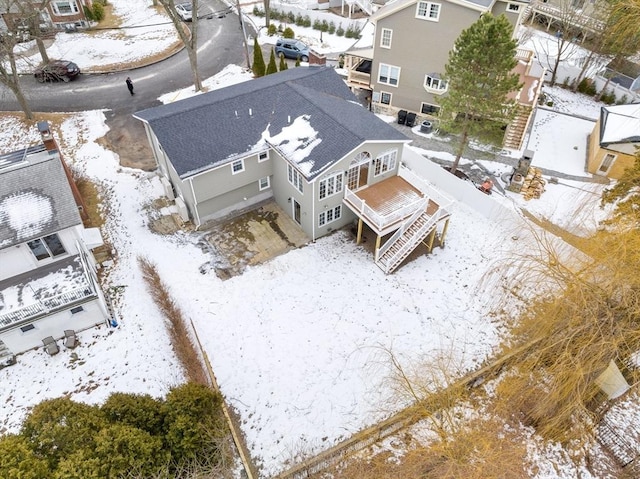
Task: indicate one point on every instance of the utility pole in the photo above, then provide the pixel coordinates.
(244, 34)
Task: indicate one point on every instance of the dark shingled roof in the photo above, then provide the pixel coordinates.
(214, 128)
(35, 197)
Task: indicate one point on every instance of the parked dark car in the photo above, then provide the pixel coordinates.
(56, 70)
(292, 49)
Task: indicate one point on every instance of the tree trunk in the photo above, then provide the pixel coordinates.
(192, 50)
(267, 16)
(587, 63)
(13, 83)
(42, 49)
(463, 144)
(604, 89)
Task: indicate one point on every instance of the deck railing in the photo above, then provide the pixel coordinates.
(377, 220)
(360, 78)
(438, 197)
(382, 250)
(46, 305)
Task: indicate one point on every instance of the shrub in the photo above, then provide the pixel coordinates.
(258, 12)
(283, 64)
(136, 410)
(299, 20)
(340, 30)
(98, 11)
(193, 413)
(258, 67)
(566, 82)
(624, 99)
(306, 21)
(291, 17)
(587, 86)
(349, 33)
(317, 25)
(19, 460)
(608, 97)
(272, 30)
(272, 67)
(274, 14)
(280, 28)
(325, 26)
(332, 28)
(288, 33)
(88, 12)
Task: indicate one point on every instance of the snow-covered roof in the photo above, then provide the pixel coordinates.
(620, 124)
(309, 107)
(35, 196)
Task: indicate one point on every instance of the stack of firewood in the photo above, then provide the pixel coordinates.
(534, 184)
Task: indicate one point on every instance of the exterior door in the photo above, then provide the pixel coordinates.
(296, 211)
(358, 173)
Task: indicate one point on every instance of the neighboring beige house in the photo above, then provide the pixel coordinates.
(404, 68)
(615, 140)
(556, 15)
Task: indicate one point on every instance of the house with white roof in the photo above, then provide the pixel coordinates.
(301, 138)
(615, 140)
(48, 282)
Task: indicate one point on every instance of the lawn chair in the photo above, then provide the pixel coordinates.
(70, 339)
(50, 346)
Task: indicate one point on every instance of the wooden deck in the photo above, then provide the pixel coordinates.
(389, 202)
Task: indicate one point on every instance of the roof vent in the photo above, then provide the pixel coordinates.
(250, 112)
(288, 118)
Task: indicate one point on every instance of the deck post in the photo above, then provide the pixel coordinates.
(378, 238)
(359, 236)
(432, 236)
(444, 233)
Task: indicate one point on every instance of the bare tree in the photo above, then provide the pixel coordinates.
(568, 24)
(9, 77)
(189, 37)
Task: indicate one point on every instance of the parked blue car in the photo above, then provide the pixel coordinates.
(290, 48)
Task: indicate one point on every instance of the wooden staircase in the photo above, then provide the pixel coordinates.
(514, 135)
(407, 239)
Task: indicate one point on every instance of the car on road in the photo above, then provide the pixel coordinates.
(290, 48)
(56, 70)
(184, 10)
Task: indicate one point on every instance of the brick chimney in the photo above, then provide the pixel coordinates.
(316, 58)
(52, 147)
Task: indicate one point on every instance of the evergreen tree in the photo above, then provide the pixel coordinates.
(258, 60)
(297, 62)
(17, 459)
(283, 64)
(272, 67)
(479, 76)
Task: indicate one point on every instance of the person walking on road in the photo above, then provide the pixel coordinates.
(130, 85)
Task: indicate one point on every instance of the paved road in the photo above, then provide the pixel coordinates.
(219, 44)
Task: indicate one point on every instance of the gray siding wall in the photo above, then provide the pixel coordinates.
(501, 7)
(418, 47)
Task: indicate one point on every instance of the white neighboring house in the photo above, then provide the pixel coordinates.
(48, 280)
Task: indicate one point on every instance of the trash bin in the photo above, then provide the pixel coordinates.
(426, 126)
(402, 116)
(411, 119)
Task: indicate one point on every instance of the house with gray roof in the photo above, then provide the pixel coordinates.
(299, 137)
(48, 280)
(403, 71)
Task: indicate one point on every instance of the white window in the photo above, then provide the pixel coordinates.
(385, 38)
(264, 183)
(435, 84)
(428, 11)
(513, 7)
(47, 247)
(429, 109)
(264, 156)
(385, 162)
(295, 178)
(389, 74)
(330, 215)
(330, 186)
(69, 7)
(385, 98)
(606, 163)
(237, 166)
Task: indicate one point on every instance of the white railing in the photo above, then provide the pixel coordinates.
(45, 306)
(365, 5)
(524, 55)
(419, 212)
(377, 220)
(438, 197)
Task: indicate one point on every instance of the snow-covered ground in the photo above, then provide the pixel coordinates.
(299, 344)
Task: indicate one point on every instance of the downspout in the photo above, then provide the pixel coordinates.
(195, 203)
(313, 211)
